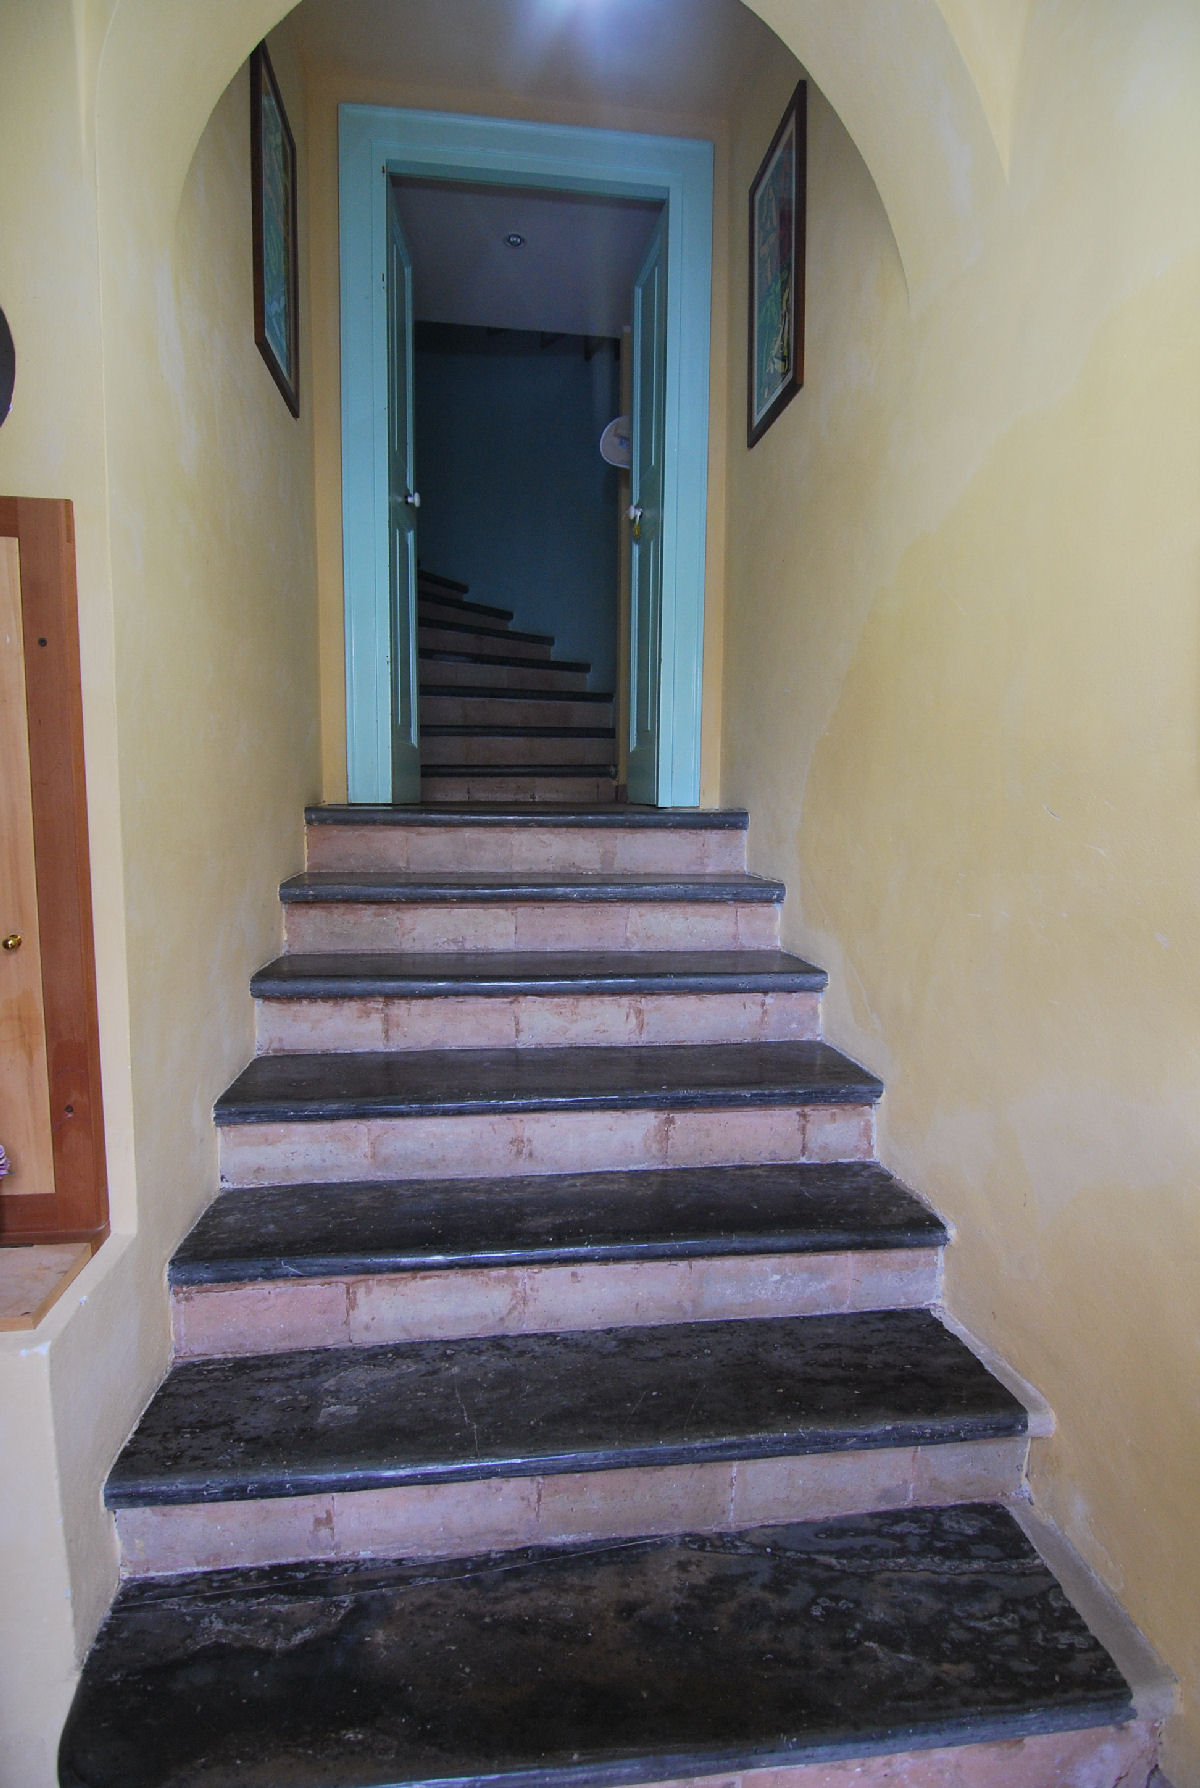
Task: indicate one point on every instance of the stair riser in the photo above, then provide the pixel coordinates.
(532, 925)
(499, 748)
(501, 676)
(446, 1520)
(479, 710)
(537, 1142)
(277, 1316)
(432, 638)
(580, 791)
(486, 849)
(1101, 1757)
(539, 1021)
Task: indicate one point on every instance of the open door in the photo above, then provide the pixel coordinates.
(403, 503)
(646, 514)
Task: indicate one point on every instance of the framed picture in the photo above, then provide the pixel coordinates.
(276, 258)
(777, 271)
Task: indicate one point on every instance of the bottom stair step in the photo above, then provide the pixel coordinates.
(806, 1648)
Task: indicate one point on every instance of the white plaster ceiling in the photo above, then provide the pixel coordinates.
(683, 56)
(573, 275)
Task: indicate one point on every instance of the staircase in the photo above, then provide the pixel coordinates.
(560, 1396)
(502, 719)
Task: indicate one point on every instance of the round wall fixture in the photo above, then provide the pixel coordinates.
(8, 367)
(515, 239)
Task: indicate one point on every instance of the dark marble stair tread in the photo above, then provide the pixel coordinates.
(480, 813)
(441, 583)
(450, 1082)
(446, 655)
(676, 1213)
(371, 974)
(489, 692)
(469, 730)
(514, 772)
(458, 605)
(488, 887)
(481, 630)
(421, 1412)
(594, 1665)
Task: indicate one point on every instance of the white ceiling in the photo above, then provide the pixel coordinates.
(675, 56)
(574, 274)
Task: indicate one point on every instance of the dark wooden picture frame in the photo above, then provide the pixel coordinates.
(276, 236)
(776, 294)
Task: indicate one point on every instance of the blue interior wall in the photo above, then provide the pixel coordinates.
(515, 498)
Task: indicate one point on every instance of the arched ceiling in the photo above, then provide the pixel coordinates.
(905, 76)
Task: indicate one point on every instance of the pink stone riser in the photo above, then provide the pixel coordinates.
(485, 849)
(1102, 1757)
(501, 1513)
(499, 748)
(539, 1142)
(313, 926)
(533, 1021)
(584, 791)
(283, 1315)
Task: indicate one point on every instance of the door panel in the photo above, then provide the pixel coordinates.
(648, 481)
(402, 518)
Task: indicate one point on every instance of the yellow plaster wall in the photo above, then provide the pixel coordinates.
(331, 86)
(142, 397)
(963, 706)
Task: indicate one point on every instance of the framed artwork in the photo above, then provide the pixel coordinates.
(777, 271)
(276, 258)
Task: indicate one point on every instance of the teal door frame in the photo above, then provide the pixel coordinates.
(376, 142)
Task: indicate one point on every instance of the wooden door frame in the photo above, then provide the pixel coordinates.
(377, 142)
(75, 1207)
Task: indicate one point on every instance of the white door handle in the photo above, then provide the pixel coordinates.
(413, 498)
(635, 515)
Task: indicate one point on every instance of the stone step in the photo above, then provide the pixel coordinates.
(434, 581)
(518, 747)
(513, 707)
(548, 785)
(929, 1646)
(285, 1267)
(654, 1427)
(436, 605)
(528, 911)
(488, 1000)
(456, 1114)
(475, 636)
(500, 1082)
(511, 670)
(484, 839)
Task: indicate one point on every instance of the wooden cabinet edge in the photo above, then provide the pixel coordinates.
(77, 1209)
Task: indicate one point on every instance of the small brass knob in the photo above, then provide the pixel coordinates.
(13, 941)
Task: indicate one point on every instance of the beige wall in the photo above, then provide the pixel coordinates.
(962, 705)
(142, 397)
(331, 86)
(961, 688)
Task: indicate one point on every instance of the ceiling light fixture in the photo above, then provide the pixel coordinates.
(515, 239)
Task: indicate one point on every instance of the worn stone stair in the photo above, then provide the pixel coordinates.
(551, 740)
(561, 1392)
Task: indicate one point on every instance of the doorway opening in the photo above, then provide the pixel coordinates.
(523, 309)
(383, 151)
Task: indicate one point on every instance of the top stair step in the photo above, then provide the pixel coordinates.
(616, 839)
